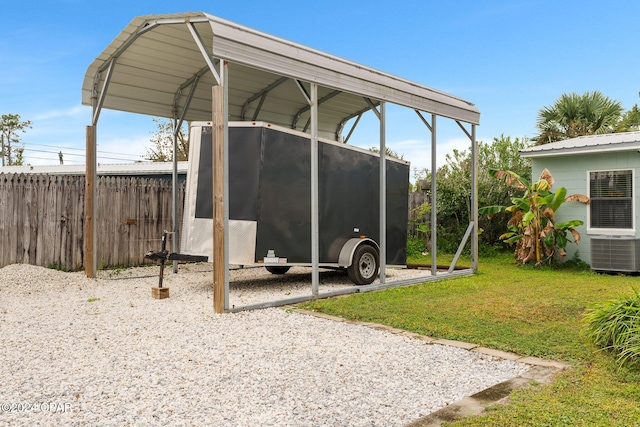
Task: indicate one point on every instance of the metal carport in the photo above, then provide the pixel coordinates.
(195, 66)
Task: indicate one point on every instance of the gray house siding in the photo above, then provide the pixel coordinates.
(571, 171)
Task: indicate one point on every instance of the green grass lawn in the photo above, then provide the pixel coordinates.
(532, 312)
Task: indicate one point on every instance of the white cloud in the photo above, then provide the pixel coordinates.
(75, 111)
(418, 151)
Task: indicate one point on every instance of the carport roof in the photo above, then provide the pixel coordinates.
(157, 61)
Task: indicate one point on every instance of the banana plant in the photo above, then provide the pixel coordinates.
(532, 225)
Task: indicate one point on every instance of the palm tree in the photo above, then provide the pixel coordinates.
(575, 115)
(630, 120)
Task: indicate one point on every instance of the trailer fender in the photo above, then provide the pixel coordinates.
(345, 259)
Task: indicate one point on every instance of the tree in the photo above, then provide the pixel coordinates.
(388, 152)
(162, 143)
(574, 115)
(630, 120)
(532, 225)
(10, 125)
(454, 183)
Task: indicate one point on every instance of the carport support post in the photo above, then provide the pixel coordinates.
(89, 205)
(383, 192)
(434, 212)
(97, 100)
(218, 173)
(224, 76)
(315, 234)
(474, 199)
(174, 193)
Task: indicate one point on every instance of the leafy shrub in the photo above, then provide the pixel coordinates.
(59, 267)
(576, 263)
(532, 226)
(486, 251)
(449, 239)
(615, 326)
(415, 247)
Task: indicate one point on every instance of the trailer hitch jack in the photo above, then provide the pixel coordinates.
(164, 255)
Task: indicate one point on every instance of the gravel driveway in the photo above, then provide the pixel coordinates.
(77, 351)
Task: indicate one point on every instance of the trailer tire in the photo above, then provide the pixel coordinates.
(364, 267)
(277, 269)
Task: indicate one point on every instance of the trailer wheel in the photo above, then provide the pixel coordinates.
(277, 269)
(364, 268)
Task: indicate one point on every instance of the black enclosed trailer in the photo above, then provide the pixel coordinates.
(270, 201)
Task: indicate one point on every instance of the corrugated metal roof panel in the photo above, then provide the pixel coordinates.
(150, 168)
(620, 141)
(156, 54)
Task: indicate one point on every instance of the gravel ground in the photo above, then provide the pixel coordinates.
(77, 351)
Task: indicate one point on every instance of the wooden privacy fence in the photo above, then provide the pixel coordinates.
(42, 219)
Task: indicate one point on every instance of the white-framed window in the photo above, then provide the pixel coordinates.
(611, 210)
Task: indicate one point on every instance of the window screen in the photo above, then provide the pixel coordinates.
(611, 199)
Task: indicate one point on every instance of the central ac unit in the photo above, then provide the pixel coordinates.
(615, 253)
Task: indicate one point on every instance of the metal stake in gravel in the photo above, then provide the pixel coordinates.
(158, 292)
(163, 256)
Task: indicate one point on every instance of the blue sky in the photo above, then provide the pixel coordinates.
(509, 57)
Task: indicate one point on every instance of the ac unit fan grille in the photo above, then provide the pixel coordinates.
(615, 254)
